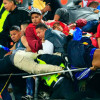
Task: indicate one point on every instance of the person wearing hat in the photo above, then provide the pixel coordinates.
(33, 40)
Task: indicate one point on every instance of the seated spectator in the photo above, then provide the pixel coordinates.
(24, 26)
(16, 16)
(20, 41)
(50, 39)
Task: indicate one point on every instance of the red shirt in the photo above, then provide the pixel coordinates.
(33, 40)
(98, 31)
(64, 26)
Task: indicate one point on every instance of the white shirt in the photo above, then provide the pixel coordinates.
(48, 48)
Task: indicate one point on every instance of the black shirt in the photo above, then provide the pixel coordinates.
(54, 4)
(15, 17)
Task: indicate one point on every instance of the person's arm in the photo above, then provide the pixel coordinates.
(10, 52)
(25, 43)
(48, 48)
(56, 17)
(14, 47)
(47, 8)
(60, 13)
(98, 42)
(33, 41)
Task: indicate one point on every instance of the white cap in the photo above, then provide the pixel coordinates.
(35, 10)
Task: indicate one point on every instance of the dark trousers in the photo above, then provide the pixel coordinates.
(91, 26)
(66, 90)
(63, 90)
(19, 84)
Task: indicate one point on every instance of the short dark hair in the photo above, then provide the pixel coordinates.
(42, 26)
(26, 22)
(13, 1)
(93, 3)
(17, 28)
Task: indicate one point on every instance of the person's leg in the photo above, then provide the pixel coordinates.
(29, 86)
(5, 94)
(18, 85)
(25, 61)
(91, 26)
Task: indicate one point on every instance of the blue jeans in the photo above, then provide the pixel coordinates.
(91, 26)
(29, 86)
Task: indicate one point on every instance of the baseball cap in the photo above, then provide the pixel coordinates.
(35, 10)
(81, 22)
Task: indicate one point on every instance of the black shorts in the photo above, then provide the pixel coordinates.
(79, 54)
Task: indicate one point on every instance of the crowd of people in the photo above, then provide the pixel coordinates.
(51, 39)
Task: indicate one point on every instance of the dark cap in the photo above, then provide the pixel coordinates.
(35, 10)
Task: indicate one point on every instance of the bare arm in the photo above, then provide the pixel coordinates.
(10, 52)
(25, 43)
(98, 42)
(56, 17)
(47, 8)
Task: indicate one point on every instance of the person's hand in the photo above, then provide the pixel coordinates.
(9, 53)
(96, 11)
(72, 26)
(47, 8)
(93, 68)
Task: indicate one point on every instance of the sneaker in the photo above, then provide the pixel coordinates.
(27, 97)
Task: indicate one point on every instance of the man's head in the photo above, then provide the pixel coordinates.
(40, 30)
(9, 5)
(23, 26)
(93, 4)
(15, 33)
(36, 16)
(57, 26)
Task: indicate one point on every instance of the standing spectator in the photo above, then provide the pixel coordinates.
(3, 15)
(16, 17)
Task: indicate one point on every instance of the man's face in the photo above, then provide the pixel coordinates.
(15, 35)
(36, 19)
(40, 33)
(8, 5)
